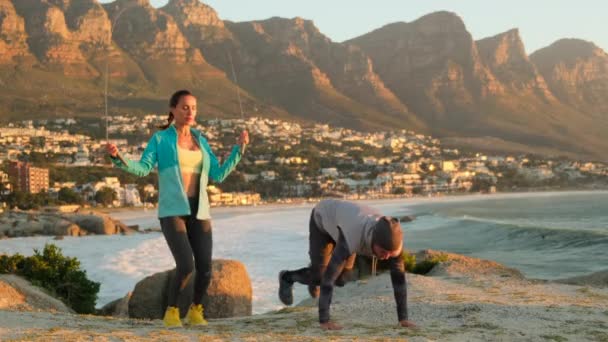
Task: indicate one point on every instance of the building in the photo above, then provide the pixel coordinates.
(27, 178)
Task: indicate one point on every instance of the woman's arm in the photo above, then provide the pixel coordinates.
(219, 172)
(142, 167)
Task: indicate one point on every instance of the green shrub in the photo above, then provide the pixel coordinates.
(10, 264)
(409, 260)
(427, 265)
(58, 274)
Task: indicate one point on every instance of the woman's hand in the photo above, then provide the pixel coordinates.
(243, 139)
(112, 150)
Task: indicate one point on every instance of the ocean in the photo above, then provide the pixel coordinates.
(544, 235)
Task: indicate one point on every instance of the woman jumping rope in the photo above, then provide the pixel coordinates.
(185, 164)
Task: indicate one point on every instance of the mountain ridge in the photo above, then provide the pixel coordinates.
(429, 75)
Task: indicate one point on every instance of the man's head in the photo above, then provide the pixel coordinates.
(387, 240)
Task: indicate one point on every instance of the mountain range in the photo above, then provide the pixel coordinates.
(428, 75)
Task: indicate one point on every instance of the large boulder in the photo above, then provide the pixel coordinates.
(61, 227)
(116, 308)
(95, 223)
(18, 224)
(17, 293)
(149, 297)
(229, 293)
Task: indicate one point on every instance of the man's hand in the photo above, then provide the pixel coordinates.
(330, 326)
(407, 324)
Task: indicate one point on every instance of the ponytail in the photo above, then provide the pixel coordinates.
(169, 121)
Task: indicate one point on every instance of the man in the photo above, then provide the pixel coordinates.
(339, 230)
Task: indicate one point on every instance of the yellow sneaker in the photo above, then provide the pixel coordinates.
(171, 319)
(195, 315)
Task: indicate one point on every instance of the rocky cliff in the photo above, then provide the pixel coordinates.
(428, 75)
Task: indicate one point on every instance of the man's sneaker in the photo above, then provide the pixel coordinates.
(285, 290)
(314, 291)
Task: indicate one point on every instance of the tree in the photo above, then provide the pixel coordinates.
(105, 196)
(67, 195)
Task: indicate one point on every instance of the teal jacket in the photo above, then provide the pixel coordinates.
(162, 150)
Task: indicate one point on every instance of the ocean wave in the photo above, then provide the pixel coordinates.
(537, 225)
(477, 233)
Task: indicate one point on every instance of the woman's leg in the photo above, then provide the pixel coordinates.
(200, 237)
(174, 230)
(199, 234)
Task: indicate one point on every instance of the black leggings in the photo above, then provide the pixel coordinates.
(188, 236)
(320, 249)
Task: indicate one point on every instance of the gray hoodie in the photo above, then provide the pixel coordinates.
(356, 221)
(351, 226)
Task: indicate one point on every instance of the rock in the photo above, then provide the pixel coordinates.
(229, 293)
(458, 265)
(29, 224)
(597, 279)
(61, 227)
(116, 308)
(149, 297)
(18, 293)
(95, 223)
(123, 228)
(21, 227)
(10, 298)
(133, 227)
(407, 218)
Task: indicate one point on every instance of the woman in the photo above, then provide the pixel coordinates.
(185, 163)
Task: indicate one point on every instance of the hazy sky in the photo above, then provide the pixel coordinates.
(541, 22)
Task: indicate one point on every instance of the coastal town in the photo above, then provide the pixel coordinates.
(63, 160)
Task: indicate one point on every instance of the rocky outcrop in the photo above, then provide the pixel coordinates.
(428, 75)
(335, 83)
(17, 293)
(506, 57)
(12, 33)
(20, 224)
(597, 279)
(577, 73)
(149, 34)
(431, 64)
(59, 31)
(456, 265)
(229, 293)
(116, 308)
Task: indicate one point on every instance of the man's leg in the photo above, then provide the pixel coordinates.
(320, 248)
(321, 245)
(347, 272)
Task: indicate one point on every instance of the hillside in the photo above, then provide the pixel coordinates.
(429, 75)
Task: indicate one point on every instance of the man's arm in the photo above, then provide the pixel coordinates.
(334, 268)
(399, 287)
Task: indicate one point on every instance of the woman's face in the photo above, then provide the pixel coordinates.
(185, 111)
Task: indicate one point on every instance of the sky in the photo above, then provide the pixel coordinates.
(540, 22)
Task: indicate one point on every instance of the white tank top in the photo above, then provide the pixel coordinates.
(190, 161)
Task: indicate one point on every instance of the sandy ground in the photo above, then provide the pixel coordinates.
(455, 305)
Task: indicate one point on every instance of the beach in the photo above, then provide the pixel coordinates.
(467, 300)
